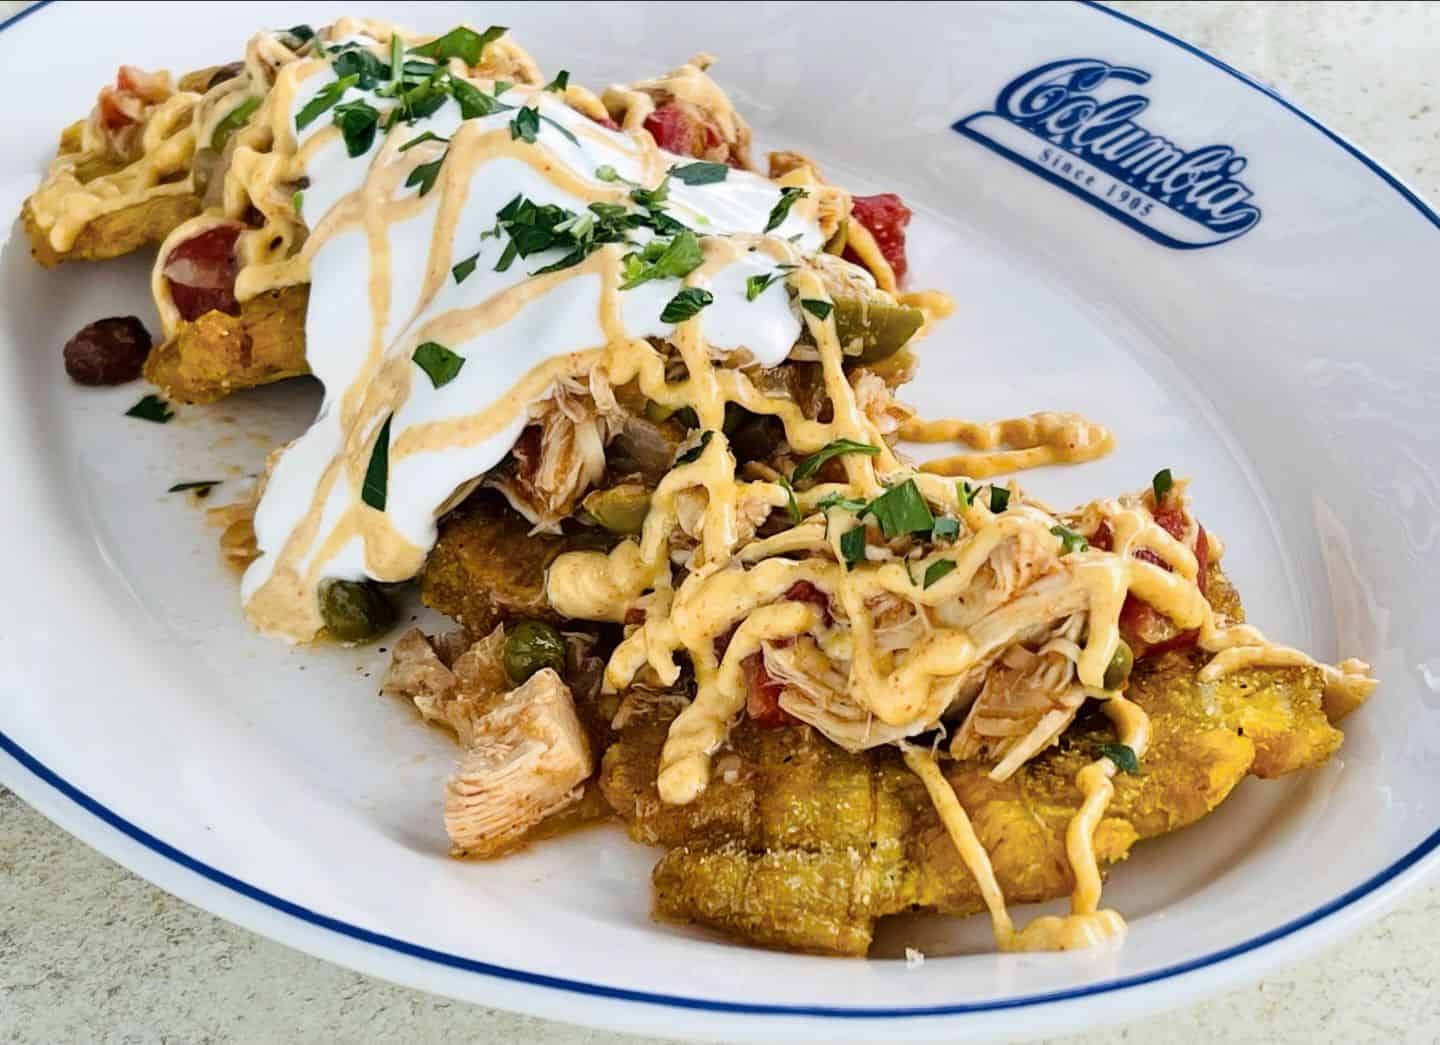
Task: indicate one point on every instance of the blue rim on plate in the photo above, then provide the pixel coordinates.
(455, 961)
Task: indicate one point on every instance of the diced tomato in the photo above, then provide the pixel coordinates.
(201, 272)
(885, 216)
(804, 591)
(121, 105)
(683, 129)
(1102, 539)
(762, 703)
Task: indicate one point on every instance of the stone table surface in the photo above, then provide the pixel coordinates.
(89, 952)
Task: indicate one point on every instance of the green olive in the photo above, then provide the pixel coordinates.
(836, 243)
(620, 509)
(354, 611)
(531, 645)
(879, 327)
(1120, 665)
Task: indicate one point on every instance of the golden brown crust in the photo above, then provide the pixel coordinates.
(115, 233)
(217, 354)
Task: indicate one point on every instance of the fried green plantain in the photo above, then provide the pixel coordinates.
(217, 354)
(115, 233)
(487, 566)
(797, 844)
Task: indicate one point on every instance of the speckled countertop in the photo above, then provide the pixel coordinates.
(89, 952)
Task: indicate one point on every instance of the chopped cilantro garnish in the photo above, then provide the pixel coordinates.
(810, 465)
(701, 172)
(793, 506)
(439, 363)
(425, 175)
(852, 545)
(901, 510)
(377, 473)
(525, 124)
(1070, 541)
(999, 498)
(422, 100)
(652, 199)
(302, 32)
(817, 308)
(758, 284)
(937, 569)
(788, 195)
(428, 136)
(674, 258)
(475, 103)
(561, 81)
(692, 455)
(1123, 756)
(200, 486)
(1161, 485)
(686, 304)
(368, 70)
(151, 408)
(234, 119)
(946, 529)
(323, 101)
(357, 121)
(835, 500)
(501, 86)
(533, 229)
(461, 42)
(462, 271)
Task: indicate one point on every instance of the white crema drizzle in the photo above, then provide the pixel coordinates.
(517, 333)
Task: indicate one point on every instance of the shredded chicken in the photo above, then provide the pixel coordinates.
(451, 682)
(560, 456)
(878, 403)
(528, 759)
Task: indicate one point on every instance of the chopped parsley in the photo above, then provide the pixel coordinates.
(234, 119)
(1123, 756)
(439, 363)
(686, 304)
(475, 103)
(901, 510)
(692, 455)
(323, 101)
(461, 42)
(501, 86)
(937, 569)
(999, 498)
(1070, 541)
(836, 500)
(945, 529)
(377, 473)
(758, 284)
(369, 71)
(525, 125)
(151, 408)
(788, 196)
(357, 121)
(817, 308)
(810, 465)
(607, 173)
(302, 33)
(852, 546)
(701, 172)
(425, 175)
(966, 492)
(1161, 485)
(533, 228)
(423, 99)
(200, 486)
(428, 136)
(652, 199)
(793, 507)
(462, 271)
(674, 258)
(561, 81)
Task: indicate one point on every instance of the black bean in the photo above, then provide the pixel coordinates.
(107, 352)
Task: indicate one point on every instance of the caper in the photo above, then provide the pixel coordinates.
(620, 509)
(1120, 664)
(354, 611)
(531, 645)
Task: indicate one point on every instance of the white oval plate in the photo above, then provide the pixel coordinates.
(1284, 359)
